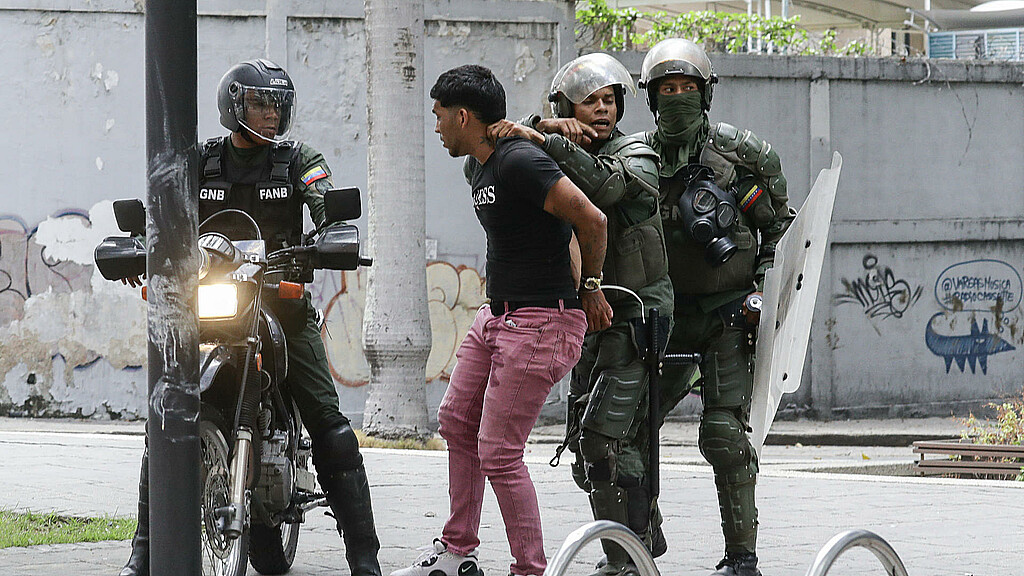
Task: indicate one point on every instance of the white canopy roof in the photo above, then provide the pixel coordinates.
(814, 14)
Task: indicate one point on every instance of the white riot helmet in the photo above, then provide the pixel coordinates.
(677, 56)
(583, 76)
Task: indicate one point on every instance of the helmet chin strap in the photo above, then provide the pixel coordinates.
(246, 134)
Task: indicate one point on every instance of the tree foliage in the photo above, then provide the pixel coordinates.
(1007, 429)
(600, 27)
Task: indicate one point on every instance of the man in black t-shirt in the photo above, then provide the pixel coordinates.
(526, 339)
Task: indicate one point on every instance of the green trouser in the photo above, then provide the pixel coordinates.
(726, 386)
(608, 432)
(309, 379)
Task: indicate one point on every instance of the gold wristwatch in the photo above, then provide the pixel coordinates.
(591, 283)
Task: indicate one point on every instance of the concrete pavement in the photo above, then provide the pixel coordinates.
(938, 526)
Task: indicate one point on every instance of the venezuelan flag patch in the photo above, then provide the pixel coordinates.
(313, 175)
(750, 197)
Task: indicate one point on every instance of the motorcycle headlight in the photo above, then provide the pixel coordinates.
(218, 301)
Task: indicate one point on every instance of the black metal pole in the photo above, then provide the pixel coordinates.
(654, 402)
(172, 265)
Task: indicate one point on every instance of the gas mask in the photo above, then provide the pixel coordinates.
(708, 213)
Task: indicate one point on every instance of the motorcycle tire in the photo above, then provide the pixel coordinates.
(272, 548)
(220, 556)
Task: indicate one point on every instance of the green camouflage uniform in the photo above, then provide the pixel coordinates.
(708, 303)
(607, 424)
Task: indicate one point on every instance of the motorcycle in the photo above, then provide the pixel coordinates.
(257, 481)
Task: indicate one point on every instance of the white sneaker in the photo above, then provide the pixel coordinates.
(436, 560)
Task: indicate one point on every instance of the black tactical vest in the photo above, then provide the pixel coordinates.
(264, 192)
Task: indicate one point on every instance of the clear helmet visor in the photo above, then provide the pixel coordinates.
(585, 75)
(265, 112)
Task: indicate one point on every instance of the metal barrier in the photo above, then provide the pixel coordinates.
(851, 539)
(609, 531)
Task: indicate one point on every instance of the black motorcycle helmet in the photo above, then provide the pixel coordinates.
(266, 83)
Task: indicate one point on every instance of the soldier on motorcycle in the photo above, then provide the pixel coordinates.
(255, 170)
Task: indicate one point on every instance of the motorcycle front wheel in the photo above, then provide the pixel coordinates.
(272, 548)
(221, 556)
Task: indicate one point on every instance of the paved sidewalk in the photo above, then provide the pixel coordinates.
(938, 526)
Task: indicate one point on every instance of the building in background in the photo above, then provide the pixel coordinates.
(971, 29)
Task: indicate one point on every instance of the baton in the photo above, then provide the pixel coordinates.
(655, 359)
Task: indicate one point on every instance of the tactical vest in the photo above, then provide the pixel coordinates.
(636, 255)
(264, 192)
(734, 155)
(690, 272)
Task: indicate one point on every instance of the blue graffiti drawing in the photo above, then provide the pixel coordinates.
(971, 348)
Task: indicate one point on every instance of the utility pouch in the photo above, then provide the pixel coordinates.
(637, 255)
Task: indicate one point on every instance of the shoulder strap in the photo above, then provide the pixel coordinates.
(283, 154)
(210, 161)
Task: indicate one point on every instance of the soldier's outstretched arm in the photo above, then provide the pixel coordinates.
(631, 170)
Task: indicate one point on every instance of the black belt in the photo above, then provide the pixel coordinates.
(499, 307)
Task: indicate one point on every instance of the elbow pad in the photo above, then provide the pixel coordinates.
(602, 185)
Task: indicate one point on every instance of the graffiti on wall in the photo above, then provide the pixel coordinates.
(70, 342)
(968, 290)
(878, 291)
(454, 294)
(27, 269)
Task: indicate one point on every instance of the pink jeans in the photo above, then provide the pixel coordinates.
(505, 369)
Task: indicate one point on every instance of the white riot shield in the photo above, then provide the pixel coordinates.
(790, 289)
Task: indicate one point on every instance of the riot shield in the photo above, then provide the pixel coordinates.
(790, 289)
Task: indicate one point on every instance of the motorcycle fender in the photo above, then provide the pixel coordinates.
(271, 332)
(212, 357)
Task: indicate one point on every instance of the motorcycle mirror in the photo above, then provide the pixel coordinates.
(130, 216)
(342, 204)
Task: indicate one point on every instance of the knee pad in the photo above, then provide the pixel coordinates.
(599, 457)
(723, 441)
(336, 449)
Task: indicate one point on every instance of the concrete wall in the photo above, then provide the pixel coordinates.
(928, 228)
(71, 343)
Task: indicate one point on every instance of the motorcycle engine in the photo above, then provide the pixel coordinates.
(277, 475)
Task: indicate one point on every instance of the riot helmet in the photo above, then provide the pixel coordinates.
(677, 56)
(251, 89)
(708, 213)
(581, 77)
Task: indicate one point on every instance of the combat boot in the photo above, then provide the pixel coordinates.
(738, 564)
(138, 562)
(348, 493)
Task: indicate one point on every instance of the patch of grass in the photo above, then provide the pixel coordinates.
(400, 443)
(29, 529)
